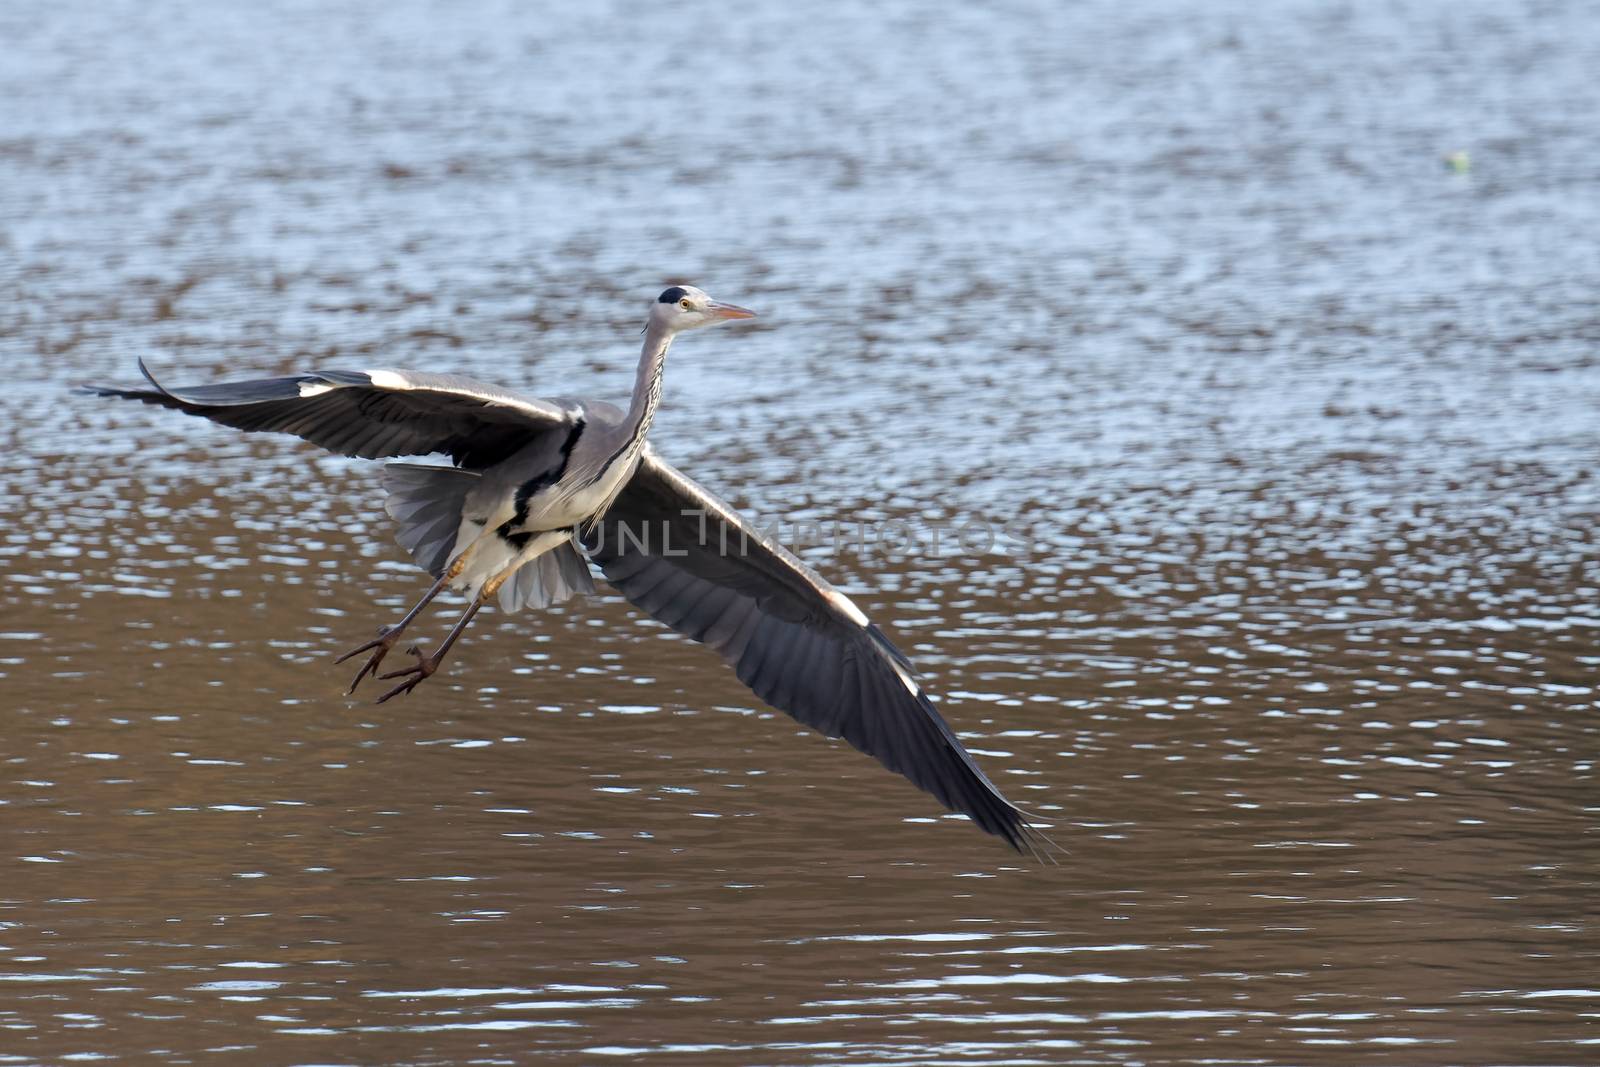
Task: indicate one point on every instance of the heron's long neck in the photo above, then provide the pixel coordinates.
(647, 386)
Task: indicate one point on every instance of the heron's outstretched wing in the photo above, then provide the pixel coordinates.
(682, 555)
(371, 413)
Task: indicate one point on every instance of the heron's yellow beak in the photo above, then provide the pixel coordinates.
(730, 311)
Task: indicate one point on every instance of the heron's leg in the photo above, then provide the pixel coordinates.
(380, 645)
(426, 665)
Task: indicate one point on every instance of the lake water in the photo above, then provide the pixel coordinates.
(1297, 658)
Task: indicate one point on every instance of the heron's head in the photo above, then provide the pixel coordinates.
(683, 307)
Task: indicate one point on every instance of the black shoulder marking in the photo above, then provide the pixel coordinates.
(673, 295)
(533, 485)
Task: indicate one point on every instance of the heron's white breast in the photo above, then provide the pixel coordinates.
(554, 507)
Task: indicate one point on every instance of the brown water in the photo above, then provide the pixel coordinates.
(1298, 660)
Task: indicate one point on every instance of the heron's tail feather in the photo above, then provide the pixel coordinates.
(426, 501)
(559, 574)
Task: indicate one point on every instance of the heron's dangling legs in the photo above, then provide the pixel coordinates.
(380, 645)
(426, 665)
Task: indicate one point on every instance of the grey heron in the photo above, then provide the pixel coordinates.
(531, 480)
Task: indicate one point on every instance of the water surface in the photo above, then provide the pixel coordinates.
(1297, 661)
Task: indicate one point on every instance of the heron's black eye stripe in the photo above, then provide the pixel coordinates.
(673, 295)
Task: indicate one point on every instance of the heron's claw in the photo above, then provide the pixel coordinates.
(413, 674)
(379, 647)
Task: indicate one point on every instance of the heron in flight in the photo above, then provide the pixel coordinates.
(532, 480)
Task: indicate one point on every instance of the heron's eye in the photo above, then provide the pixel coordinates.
(685, 305)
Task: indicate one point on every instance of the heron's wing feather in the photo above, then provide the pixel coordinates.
(679, 553)
(369, 414)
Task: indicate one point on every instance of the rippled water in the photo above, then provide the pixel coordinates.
(1297, 657)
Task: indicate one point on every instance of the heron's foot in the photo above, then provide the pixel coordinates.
(379, 647)
(413, 674)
